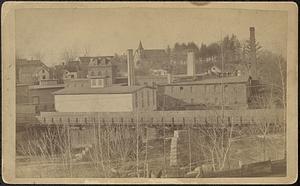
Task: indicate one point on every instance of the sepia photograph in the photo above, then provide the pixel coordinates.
(136, 92)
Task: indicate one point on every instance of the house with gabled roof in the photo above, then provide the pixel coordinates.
(31, 71)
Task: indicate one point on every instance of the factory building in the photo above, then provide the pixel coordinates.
(107, 99)
(206, 94)
(151, 80)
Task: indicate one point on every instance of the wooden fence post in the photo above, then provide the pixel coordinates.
(190, 150)
(164, 143)
(69, 150)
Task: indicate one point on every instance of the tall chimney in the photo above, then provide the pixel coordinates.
(191, 70)
(253, 65)
(130, 68)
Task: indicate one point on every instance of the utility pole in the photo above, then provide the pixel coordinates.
(222, 85)
(137, 145)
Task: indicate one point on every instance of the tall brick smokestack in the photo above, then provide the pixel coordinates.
(130, 68)
(191, 69)
(253, 65)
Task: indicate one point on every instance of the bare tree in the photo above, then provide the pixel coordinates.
(69, 54)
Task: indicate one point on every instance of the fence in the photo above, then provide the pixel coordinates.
(257, 169)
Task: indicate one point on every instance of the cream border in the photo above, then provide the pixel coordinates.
(8, 96)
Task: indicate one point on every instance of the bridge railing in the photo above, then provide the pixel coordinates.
(240, 117)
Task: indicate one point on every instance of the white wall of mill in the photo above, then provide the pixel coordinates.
(94, 103)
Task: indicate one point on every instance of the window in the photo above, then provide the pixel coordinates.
(148, 98)
(99, 73)
(44, 77)
(100, 82)
(191, 89)
(43, 71)
(92, 73)
(93, 82)
(192, 101)
(180, 88)
(72, 76)
(142, 96)
(172, 88)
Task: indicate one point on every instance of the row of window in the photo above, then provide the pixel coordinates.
(97, 82)
(99, 73)
(181, 88)
(218, 100)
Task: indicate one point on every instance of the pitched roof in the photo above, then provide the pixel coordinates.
(227, 80)
(85, 58)
(140, 46)
(46, 86)
(155, 53)
(101, 61)
(105, 90)
(24, 63)
(28, 62)
(73, 63)
(40, 68)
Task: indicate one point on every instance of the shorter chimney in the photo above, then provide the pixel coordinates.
(130, 68)
(191, 68)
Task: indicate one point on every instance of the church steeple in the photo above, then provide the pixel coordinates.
(140, 46)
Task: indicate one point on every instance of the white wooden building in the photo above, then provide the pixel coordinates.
(107, 99)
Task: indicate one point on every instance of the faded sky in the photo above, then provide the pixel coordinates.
(109, 31)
